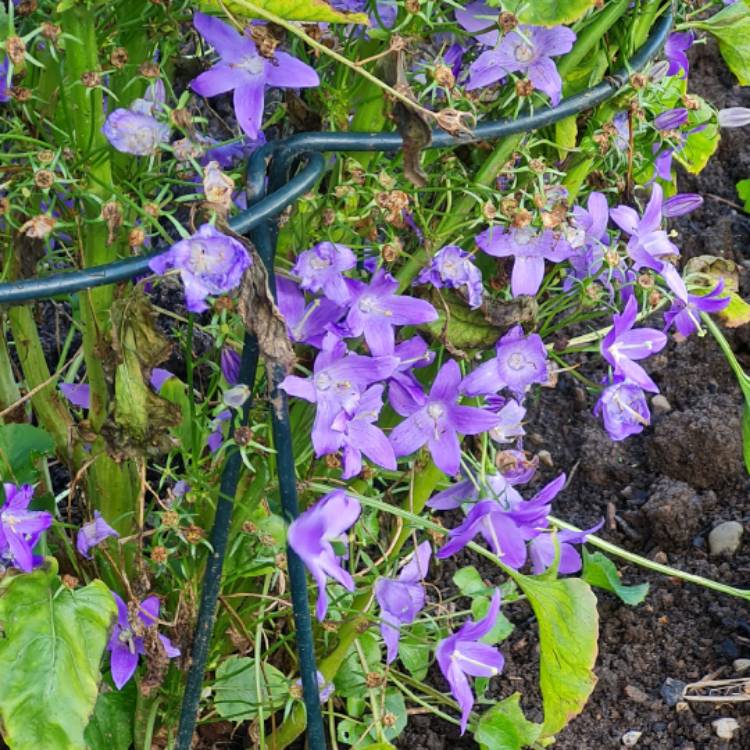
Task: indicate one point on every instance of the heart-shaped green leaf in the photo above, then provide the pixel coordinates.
(289, 10)
(504, 727)
(549, 12)
(731, 27)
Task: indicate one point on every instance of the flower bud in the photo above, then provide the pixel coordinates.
(671, 119)
(734, 117)
(658, 71)
(681, 204)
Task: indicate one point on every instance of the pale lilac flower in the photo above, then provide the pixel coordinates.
(681, 204)
(463, 654)
(209, 262)
(20, 528)
(93, 533)
(310, 536)
(542, 550)
(510, 427)
(516, 465)
(624, 409)
(79, 394)
(236, 396)
(686, 317)
(734, 117)
(530, 249)
(675, 49)
(622, 346)
(243, 70)
(495, 486)
(306, 323)
(325, 688)
(159, 376)
(528, 50)
(436, 419)
(451, 267)
(125, 647)
(401, 599)
(519, 362)
(360, 435)
(216, 437)
(376, 309)
(621, 122)
(135, 133)
(671, 119)
(338, 380)
(591, 222)
(4, 81)
(320, 269)
(505, 524)
(478, 17)
(404, 390)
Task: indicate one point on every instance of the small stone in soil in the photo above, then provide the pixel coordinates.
(726, 538)
(725, 728)
(729, 648)
(741, 665)
(545, 458)
(630, 739)
(671, 691)
(636, 694)
(660, 405)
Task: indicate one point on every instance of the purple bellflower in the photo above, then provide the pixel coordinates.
(401, 599)
(496, 487)
(79, 394)
(4, 81)
(320, 269)
(94, 533)
(338, 380)
(733, 117)
(134, 132)
(530, 249)
(209, 262)
(624, 410)
(306, 323)
(510, 428)
(528, 50)
(675, 49)
(436, 419)
(671, 119)
(462, 655)
(230, 365)
(325, 688)
(517, 466)
(505, 524)
(243, 70)
(403, 385)
(623, 345)
(542, 550)
(310, 536)
(376, 309)
(519, 362)
(478, 17)
(216, 437)
(360, 435)
(125, 647)
(451, 267)
(687, 317)
(681, 204)
(20, 528)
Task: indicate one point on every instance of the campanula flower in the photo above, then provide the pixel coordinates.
(402, 384)
(215, 438)
(686, 317)
(451, 267)
(519, 362)
(306, 323)
(478, 17)
(542, 550)
(530, 248)
(360, 435)
(671, 119)
(310, 536)
(325, 688)
(462, 655)
(135, 133)
(125, 647)
(320, 269)
(401, 599)
(623, 345)
(376, 309)
(528, 50)
(338, 380)
(675, 49)
(437, 419)
(159, 376)
(590, 223)
(21, 528)
(505, 524)
(624, 409)
(681, 204)
(245, 71)
(229, 362)
(495, 486)
(510, 427)
(79, 394)
(93, 533)
(517, 466)
(209, 262)
(734, 117)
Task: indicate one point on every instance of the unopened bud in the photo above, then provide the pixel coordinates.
(734, 117)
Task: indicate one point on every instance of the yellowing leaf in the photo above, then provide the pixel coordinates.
(736, 313)
(289, 10)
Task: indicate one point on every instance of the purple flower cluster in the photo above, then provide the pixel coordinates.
(20, 528)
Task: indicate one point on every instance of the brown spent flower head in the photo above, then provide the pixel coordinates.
(508, 206)
(328, 217)
(522, 218)
(264, 40)
(368, 473)
(15, 48)
(489, 210)
(646, 280)
(4, 205)
(136, 237)
(690, 102)
(332, 461)
(112, 215)
(149, 69)
(91, 79)
(119, 57)
(249, 527)
(524, 88)
(280, 560)
(159, 554)
(224, 303)
(444, 77)
(389, 719)
(267, 540)
(454, 121)
(44, 179)
(194, 534)
(295, 691)
(612, 257)
(393, 203)
(45, 156)
(374, 680)
(538, 166)
(153, 210)
(51, 31)
(182, 118)
(412, 6)
(392, 250)
(243, 435)
(21, 93)
(69, 581)
(638, 81)
(170, 519)
(507, 21)
(26, 7)
(218, 186)
(654, 297)
(38, 227)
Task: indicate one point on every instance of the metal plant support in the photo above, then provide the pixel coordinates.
(267, 199)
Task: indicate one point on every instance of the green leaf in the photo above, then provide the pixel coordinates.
(566, 135)
(111, 726)
(414, 650)
(350, 679)
(53, 643)
(600, 571)
(468, 581)
(743, 191)
(703, 140)
(20, 446)
(549, 12)
(236, 694)
(502, 628)
(731, 27)
(504, 727)
(289, 10)
(395, 706)
(746, 435)
(568, 631)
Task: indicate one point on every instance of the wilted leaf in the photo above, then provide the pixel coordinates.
(600, 571)
(504, 727)
(736, 313)
(236, 689)
(568, 632)
(20, 446)
(53, 643)
(289, 10)
(731, 27)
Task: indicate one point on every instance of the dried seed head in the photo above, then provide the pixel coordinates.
(218, 186)
(136, 237)
(91, 79)
(170, 519)
(538, 166)
(646, 280)
(249, 527)
(194, 534)
(507, 21)
(38, 227)
(69, 581)
(521, 218)
(51, 31)
(26, 7)
(112, 215)
(612, 258)
(118, 57)
(330, 626)
(454, 121)
(389, 719)
(267, 540)
(182, 118)
(45, 156)
(690, 102)
(444, 77)
(489, 210)
(638, 81)
(4, 205)
(280, 560)
(243, 435)
(44, 179)
(412, 6)
(524, 88)
(159, 554)
(654, 297)
(153, 210)
(21, 93)
(149, 69)
(332, 461)
(264, 40)
(295, 690)
(508, 206)
(394, 203)
(328, 217)
(15, 48)
(224, 303)
(391, 250)
(374, 680)
(368, 473)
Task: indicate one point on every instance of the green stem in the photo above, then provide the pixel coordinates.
(9, 390)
